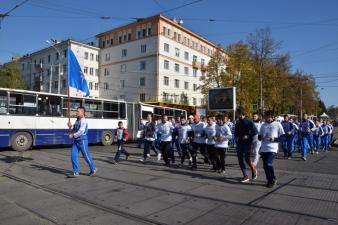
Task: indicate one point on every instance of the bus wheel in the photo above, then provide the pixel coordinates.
(107, 137)
(21, 141)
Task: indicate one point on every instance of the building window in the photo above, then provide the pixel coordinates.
(63, 83)
(106, 72)
(164, 30)
(177, 52)
(138, 34)
(90, 85)
(186, 55)
(194, 58)
(111, 41)
(56, 56)
(142, 65)
(177, 67)
(65, 53)
(97, 72)
(120, 39)
(48, 72)
(166, 81)
(56, 84)
(168, 32)
(86, 55)
(91, 71)
(202, 61)
(177, 83)
(149, 31)
(129, 36)
(194, 101)
(203, 73)
(107, 56)
(166, 47)
(105, 85)
(85, 70)
(186, 85)
(124, 52)
(23, 67)
(143, 48)
(48, 58)
(97, 58)
(142, 97)
(179, 38)
(195, 87)
(166, 64)
(121, 83)
(142, 81)
(64, 68)
(186, 70)
(175, 35)
(96, 86)
(91, 57)
(194, 72)
(123, 68)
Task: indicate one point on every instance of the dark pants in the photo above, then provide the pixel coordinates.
(244, 153)
(147, 146)
(176, 143)
(185, 152)
(120, 149)
(194, 150)
(268, 158)
(165, 148)
(220, 160)
(212, 155)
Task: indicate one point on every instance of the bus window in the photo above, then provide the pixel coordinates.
(110, 110)
(93, 108)
(145, 114)
(3, 102)
(22, 104)
(123, 110)
(74, 104)
(169, 112)
(178, 113)
(49, 105)
(158, 111)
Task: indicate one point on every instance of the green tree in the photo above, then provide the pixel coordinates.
(10, 76)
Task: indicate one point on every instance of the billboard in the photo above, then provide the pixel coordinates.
(222, 99)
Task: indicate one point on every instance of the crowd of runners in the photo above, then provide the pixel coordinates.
(209, 138)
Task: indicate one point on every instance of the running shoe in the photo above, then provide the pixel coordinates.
(245, 179)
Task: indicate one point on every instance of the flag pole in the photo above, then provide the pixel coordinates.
(68, 94)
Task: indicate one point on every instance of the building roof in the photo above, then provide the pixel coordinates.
(158, 17)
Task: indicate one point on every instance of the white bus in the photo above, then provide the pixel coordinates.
(29, 118)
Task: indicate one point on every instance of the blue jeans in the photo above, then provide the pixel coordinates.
(307, 140)
(244, 152)
(267, 158)
(120, 149)
(81, 145)
(316, 142)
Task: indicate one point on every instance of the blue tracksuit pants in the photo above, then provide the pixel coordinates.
(81, 145)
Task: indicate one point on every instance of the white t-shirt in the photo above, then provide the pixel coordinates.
(267, 131)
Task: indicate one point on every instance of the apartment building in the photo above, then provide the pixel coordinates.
(153, 59)
(46, 70)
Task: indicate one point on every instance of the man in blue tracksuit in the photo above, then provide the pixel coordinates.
(325, 138)
(79, 133)
(317, 136)
(306, 127)
(288, 137)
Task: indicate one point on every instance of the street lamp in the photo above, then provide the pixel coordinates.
(52, 43)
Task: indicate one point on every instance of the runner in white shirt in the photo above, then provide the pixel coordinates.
(269, 134)
(256, 144)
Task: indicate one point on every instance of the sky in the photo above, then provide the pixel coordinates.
(308, 29)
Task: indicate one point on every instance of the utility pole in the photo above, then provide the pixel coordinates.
(301, 102)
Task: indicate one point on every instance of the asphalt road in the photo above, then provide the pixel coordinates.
(34, 189)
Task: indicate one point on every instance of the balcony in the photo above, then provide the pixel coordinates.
(204, 67)
(196, 64)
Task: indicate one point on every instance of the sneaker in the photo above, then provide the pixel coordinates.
(127, 156)
(289, 157)
(272, 184)
(159, 156)
(317, 152)
(255, 175)
(222, 171)
(245, 179)
(142, 160)
(93, 173)
(148, 155)
(303, 158)
(74, 175)
(114, 162)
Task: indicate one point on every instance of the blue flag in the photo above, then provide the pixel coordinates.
(77, 83)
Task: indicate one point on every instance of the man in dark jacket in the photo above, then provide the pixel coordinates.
(245, 130)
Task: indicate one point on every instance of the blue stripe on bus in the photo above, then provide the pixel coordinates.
(50, 136)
